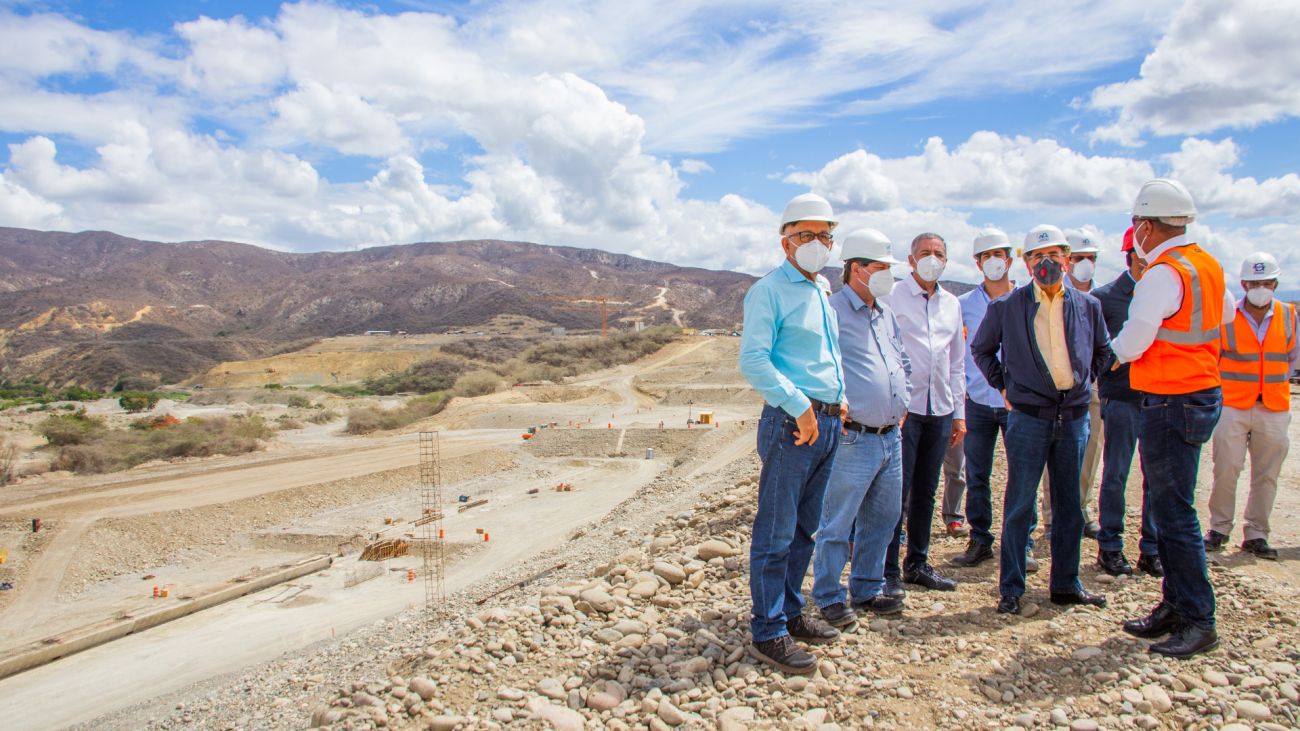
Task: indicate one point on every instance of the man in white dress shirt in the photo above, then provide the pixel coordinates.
(930, 319)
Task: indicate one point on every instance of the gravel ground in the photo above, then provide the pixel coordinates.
(647, 627)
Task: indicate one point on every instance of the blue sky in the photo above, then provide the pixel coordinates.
(675, 132)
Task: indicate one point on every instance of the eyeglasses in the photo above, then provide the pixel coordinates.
(803, 237)
(1036, 256)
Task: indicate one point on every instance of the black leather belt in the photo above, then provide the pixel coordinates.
(855, 426)
(823, 408)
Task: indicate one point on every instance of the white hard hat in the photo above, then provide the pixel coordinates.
(808, 207)
(1043, 236)
(867, 243)
(990, 239)
(1080, 242)
(1259, 267)
(1166, 200)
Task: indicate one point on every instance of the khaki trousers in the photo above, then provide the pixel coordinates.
(1263, 434)
(1088, 471)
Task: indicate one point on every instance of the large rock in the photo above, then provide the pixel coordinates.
(714, 548)
(600, 600)
(561, 719)
(671, 572)
(735, 719)
(423, 687)
(670, 714)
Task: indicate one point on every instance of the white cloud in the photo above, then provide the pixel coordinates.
(1221, 64)
(21, 208)
(1202, 166)
(694, 167)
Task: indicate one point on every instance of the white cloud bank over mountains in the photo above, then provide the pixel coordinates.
(580, 121)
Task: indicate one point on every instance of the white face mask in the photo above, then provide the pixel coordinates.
(994, 268)
(880, 283)
(930, 268)
(1083, 270)
(812, 256)
(1259, 296)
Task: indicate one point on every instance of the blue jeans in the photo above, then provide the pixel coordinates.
(1119, 444)
(982, 426)
(925, 439)
(1032, 444)
(1172, 431)
(790, 492)
(863, 499)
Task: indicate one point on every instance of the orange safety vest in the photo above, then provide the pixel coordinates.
(1252, 373)
(1185, 355)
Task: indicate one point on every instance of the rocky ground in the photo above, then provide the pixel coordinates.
(647, 627)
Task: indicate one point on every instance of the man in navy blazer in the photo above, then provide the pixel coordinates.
(1043, 345)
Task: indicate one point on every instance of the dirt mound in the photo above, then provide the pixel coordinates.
(612, 442)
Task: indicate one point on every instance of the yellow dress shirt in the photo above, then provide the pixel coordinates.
(1049, 331)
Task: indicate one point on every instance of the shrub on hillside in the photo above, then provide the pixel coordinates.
(427, 376)
(477, 383)
(111, 450)
(580, 355)
(298, 401)
(8, 461)
(367, 419)
(65, 429)
(137, 401)
(141, 382)
(324, 416)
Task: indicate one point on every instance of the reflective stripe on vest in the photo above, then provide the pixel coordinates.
(1196, 333)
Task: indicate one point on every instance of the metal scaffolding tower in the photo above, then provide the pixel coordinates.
(430, 524)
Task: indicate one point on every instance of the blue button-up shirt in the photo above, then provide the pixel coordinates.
(875, 365)
(790, 349)
(974, 305)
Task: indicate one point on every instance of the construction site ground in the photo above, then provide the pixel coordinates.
(322, 646)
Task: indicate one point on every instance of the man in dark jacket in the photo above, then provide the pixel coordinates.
(1042, 346)
(1120, 409)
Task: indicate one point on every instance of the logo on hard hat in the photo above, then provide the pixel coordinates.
(1044, 236)
(1260, 267)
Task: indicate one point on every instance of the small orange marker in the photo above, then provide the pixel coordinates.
(486, 538)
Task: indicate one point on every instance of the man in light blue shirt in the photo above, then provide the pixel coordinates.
(864, 497)
(790, 354)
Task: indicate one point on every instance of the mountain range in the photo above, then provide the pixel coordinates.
(92, 307)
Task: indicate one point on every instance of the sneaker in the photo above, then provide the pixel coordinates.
(925, 575)
(1091, 529)
(957, 528)
(880, 604)
(810, 630)
(1215, 541)
(1260, 548)
(1151, 565)
(1031, 564)
(1114, 563)
(838, 615)
(783, 654)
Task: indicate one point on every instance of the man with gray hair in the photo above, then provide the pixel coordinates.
(930, 319)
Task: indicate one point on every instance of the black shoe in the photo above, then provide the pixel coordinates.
(1009, 605)
(1151, 565)
(1260, 548)
(1186, 641)
(925, 575)
(1091, 529)
(1161, 621)
(1114, 563)
(1215, 541)
(811, 631)
(894, 587)
(838, 615)
(976, 554)
(1081, 596)
(880, 604)
(783, 654)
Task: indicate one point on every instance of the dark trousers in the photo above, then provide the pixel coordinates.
(1034, 443)
(925, 439)
(1119, 444)
(1171, 433)
(982, 427)
(791, 488)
